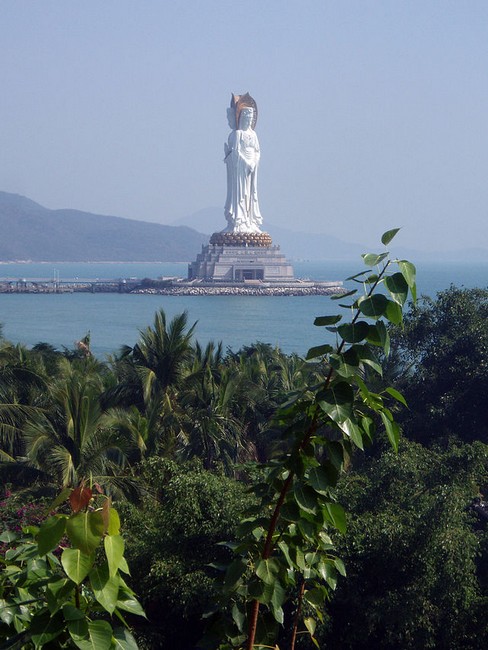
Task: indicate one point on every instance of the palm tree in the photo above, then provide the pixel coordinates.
(150, 377)
(22, 386)
(163, 353)
(73, 438)
(210, 430)
(268, 376)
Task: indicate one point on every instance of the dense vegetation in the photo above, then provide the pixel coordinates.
(172, 431)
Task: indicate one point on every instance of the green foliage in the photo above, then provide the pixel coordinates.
(173, 546)
(56, 581)
(414, 547)
(416, 552)
(285, 558)
(442, 361)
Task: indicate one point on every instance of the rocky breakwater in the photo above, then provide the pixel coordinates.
(318, 289)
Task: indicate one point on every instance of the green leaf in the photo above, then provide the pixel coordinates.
(396, 395)
(78, 631)
(371, 259)
(310, 624)
(356, 275)
(352, 430)
(105, 587)
(394, 313)
(85, 530)
(72, 613)
(346, 364)
(375, 306)
(354, 332)
(398, 287)
(8, 536)
(7, 611)
(327, 320)
(114, 550)
(129, 603)
(305, 497)
(77, 564)
(341, 296)
(61, 498)
(320, 480)
(378, 335)
(299, 558)
(339, 565)
(328, 572)
(392, 430)
(261, 591)
(50, 534)
(388, 236)
(283, 546)
(290, 511)
(44, 628)
(123, 639)
(368, 358)
(113, 522)
(236, 570)
(238, 616)
(336, 453)
(267, 570)
(99, 636)
(58, 592)
(368, 426)
(337, 401)
(336, 515)
(123, 566)
(319, 351)
(307, 528)
(316, 596)
(276, 602)
(409, 272)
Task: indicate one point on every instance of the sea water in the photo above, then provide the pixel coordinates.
(116, 319)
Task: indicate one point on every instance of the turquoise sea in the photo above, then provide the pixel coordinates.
(115, 319)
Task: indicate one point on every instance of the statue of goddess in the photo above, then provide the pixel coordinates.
(242, 159)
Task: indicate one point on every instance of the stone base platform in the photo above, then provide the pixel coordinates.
(240, 262)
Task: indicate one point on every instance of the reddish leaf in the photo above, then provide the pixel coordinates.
(80, 498)
(106, 512)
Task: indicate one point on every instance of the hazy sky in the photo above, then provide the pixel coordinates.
(372, 115)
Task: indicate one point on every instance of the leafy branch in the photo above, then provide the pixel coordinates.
(284, 560)
(56, 580)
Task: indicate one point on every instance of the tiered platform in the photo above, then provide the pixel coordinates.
(240, 257)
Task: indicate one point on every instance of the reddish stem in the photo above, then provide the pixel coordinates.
(297, 616)
(253, 620)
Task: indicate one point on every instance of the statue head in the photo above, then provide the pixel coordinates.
(246, 117)
(238, 103)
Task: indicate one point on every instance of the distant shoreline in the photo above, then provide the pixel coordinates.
(5, 262)
(171, 287)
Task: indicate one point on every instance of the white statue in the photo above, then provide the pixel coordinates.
(242, 159)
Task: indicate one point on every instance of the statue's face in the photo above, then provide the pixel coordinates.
(231, 118)
(245, 118)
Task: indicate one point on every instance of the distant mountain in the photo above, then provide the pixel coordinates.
(321, 246)
(31, 232)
